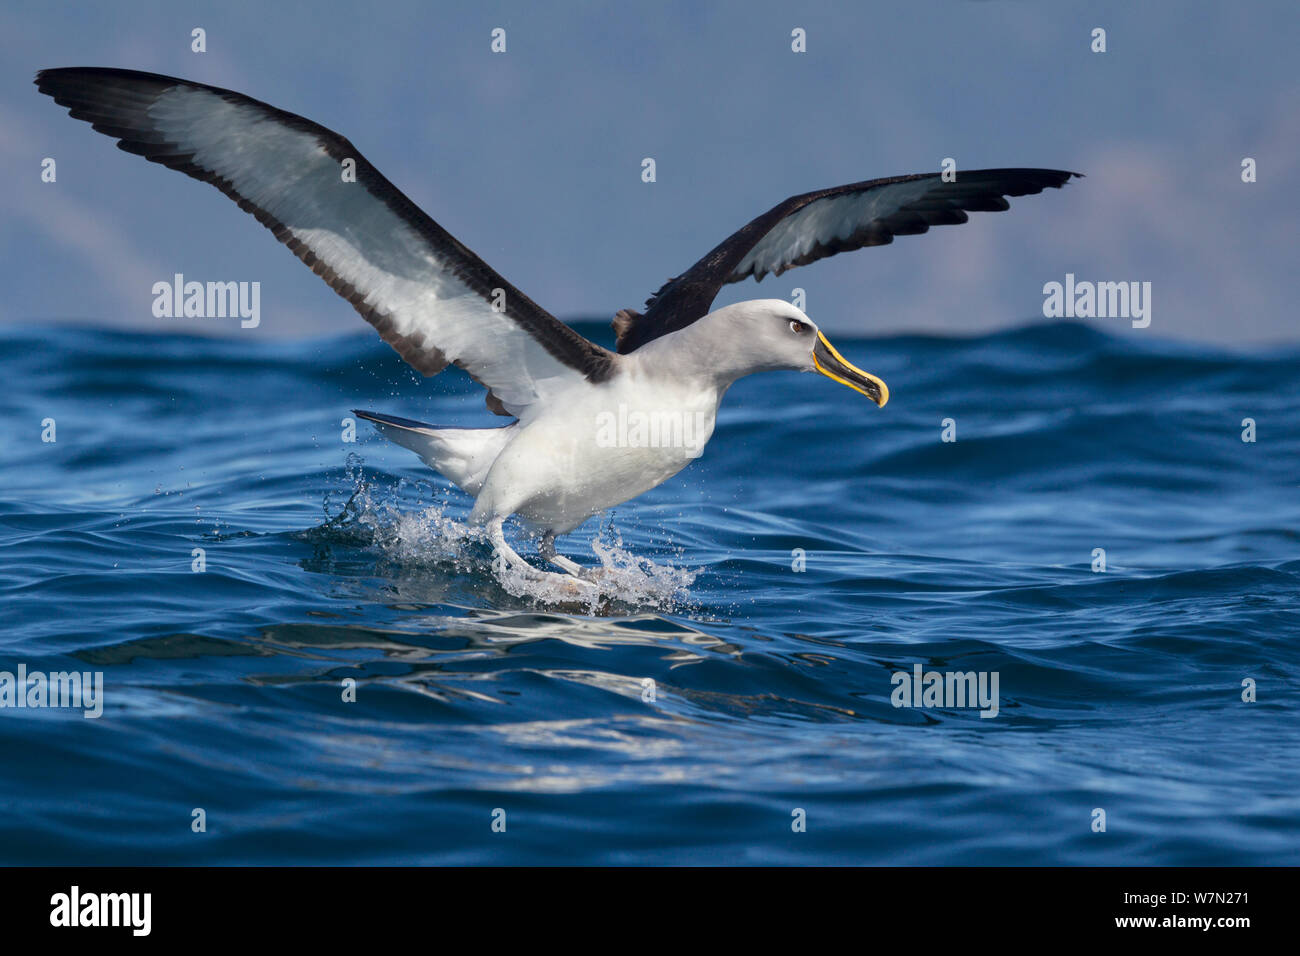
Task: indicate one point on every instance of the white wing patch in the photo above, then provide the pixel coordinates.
(822, 222)
(288, 173)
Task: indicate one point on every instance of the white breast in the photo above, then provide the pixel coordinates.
(594, 448)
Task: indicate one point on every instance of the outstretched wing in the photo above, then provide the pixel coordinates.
(431, 299)
(815, 225)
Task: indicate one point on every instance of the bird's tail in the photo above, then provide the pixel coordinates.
(462, 454)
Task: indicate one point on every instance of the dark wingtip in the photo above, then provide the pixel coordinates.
(52, 74)
(1061, 176)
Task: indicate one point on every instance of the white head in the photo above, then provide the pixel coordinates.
(764, 335)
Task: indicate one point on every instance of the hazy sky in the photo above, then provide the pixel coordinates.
(533, 157)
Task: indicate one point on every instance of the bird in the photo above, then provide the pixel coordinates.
(590, 427)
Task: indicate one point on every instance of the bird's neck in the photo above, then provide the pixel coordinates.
(693, 355)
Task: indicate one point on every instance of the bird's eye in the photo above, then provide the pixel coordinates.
(796, 326)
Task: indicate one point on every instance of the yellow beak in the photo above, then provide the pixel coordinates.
(833, 365)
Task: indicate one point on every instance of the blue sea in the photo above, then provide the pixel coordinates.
(201, 532)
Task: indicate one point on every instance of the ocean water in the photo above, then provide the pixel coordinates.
(771, 736)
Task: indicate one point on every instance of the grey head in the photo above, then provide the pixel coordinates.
(764, 335)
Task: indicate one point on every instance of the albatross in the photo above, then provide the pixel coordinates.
(437, 303)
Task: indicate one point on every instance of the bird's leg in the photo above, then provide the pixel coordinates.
(503, 552)
(547, 550)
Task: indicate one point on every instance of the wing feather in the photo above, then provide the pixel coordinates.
(812, 226)
(430, 298)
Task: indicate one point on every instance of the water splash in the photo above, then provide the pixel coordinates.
(413, 526)
(621, 580)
